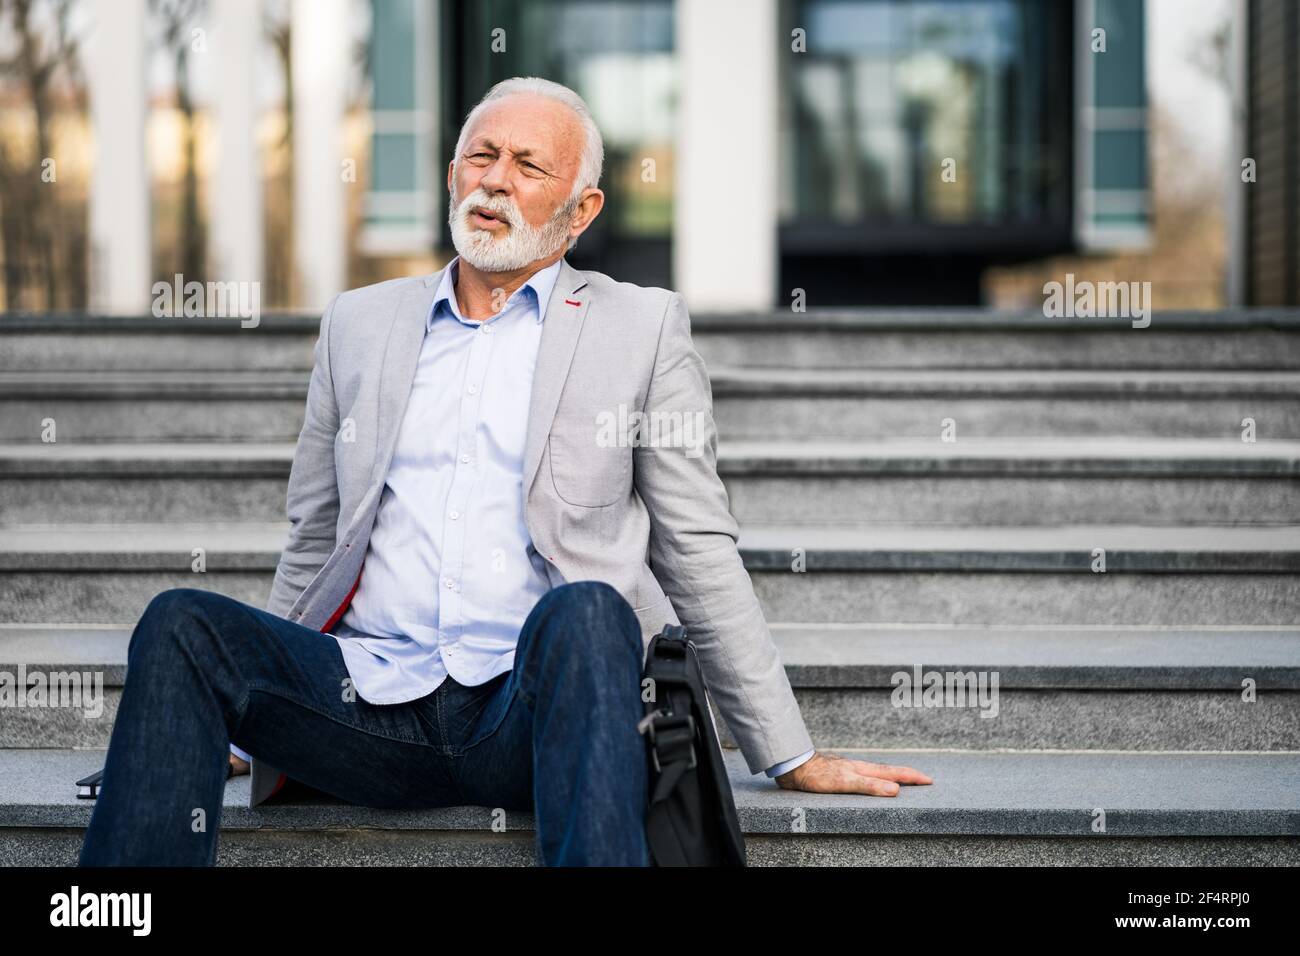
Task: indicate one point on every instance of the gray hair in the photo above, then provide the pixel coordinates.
(593, 151)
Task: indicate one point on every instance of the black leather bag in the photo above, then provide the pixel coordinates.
(690, 814)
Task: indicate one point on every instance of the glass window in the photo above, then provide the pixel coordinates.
(892, 93)
(1113, 206)
(400, 202)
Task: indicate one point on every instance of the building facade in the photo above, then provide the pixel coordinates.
(869, 151)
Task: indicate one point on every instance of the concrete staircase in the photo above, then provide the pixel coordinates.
(874, 547)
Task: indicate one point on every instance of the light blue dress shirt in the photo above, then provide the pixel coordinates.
(451, 572)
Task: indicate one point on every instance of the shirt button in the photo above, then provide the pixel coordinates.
(450, 582)
(473, 389)
(454, 515)
(464, 459)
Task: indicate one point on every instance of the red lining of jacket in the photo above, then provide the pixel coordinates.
(334, 619)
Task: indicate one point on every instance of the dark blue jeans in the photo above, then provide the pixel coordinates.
(556, 734)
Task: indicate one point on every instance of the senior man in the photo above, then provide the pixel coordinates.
(487, 566)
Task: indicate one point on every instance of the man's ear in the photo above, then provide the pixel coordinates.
(589, 207)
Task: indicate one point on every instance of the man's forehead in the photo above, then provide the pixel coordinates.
(494, 141)
(524, 130)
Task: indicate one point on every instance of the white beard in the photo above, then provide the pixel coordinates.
(521, 243)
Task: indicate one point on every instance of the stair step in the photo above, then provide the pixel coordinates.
(1056, 688)
(91, 405)
(1089, 456)
(1027, 548)
(765, 547)
(1004, 808)
(1074, 658)
(821, 338)
(749, 381)
(1105, 457)
(885, 573)
(988, 481)
(1026, 575)
(749, 403)
(869, 655)
(1092, 688)
(984, 338)
(1011, 482)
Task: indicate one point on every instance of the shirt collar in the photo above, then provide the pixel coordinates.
(541, 282)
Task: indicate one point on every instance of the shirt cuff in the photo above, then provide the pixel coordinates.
(241, 754)
(788, 765)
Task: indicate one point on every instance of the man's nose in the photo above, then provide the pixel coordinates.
(496, 177)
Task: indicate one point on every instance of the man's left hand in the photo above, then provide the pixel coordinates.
(831, 773)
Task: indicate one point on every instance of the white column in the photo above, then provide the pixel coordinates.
(725, 217)
(320, 48)
(119, 253)
(235, 203)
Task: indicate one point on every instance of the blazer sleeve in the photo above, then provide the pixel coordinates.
(312, 500)
(694, 556)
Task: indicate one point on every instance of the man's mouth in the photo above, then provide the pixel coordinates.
(487, 218)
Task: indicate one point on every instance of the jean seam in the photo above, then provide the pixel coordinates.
(495, 727)
(457, 753)
(242, 709)
(306, 705)
(446, 749)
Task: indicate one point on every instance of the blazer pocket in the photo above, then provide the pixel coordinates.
(589, 476)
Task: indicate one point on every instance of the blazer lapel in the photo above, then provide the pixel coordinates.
(565, 314)
(401, 356)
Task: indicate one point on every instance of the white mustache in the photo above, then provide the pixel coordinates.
(505, 215)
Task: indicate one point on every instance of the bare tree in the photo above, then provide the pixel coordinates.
(1213, 53)
(178, 18)
(277, 25)
(39, 57)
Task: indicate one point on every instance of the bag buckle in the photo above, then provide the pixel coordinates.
(657, 723)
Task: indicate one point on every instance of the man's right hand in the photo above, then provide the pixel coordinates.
(238, 766)
(833, 773)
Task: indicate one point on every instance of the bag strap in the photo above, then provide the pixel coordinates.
(672, 748)
(671, 736)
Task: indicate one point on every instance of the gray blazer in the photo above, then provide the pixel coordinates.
(649, 515)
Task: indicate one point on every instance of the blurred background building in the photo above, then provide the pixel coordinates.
(868, 152)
